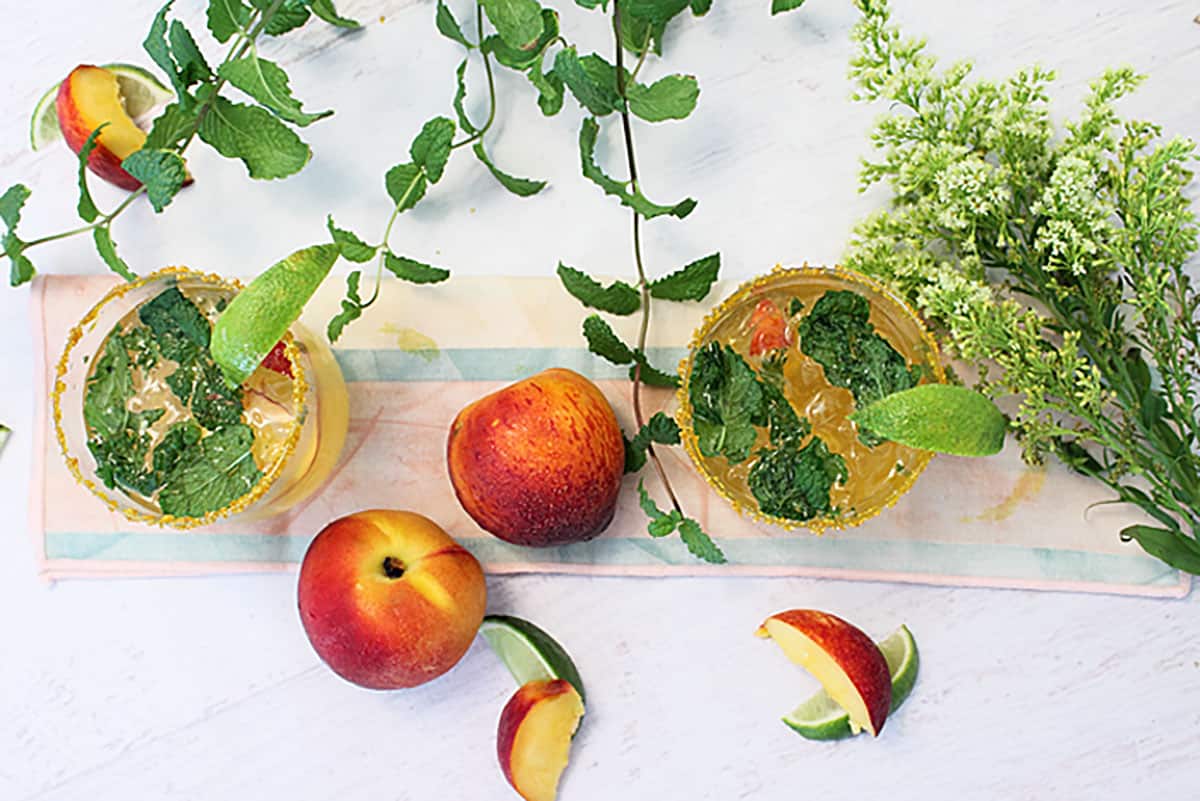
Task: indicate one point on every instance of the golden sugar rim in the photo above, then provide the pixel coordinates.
(269, 476)
(691, 442)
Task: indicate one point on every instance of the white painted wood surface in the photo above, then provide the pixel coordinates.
(206, 689)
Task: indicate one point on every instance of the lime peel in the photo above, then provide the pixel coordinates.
(529, 653)
(141, 93)
(937, 417)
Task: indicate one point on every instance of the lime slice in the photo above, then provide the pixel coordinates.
(529, 653)
(261, 314)
(141, 95)
(820, 718)
(937, 417)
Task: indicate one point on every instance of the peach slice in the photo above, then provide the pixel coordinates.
(842, 657)
(534, 736)
(88, 98)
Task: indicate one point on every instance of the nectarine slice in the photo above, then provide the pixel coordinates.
(533, 740)
(87, 99)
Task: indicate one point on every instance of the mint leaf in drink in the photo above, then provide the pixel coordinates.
(522, 187)
(431, 148)
(162, 172)
(405, 185)
(178, 440)
(780, 6)
(327, 12)
(448, 26)
(413, 271)
(214, 401)
(616, 298)
(352, 308)
(181, 329)
(193, 69)
(212, 474)
(671, 98)
(587, 82)
(519, 22)
(87, 207)
(698, 543)
(267, 147)
(267, 83)
(726, 400)
(171, 128)
(227, 17)
(108, 390)
(108, 252)
(692, 282)
(634, 200)
(794, 482)
(603, 342)
(351, 247)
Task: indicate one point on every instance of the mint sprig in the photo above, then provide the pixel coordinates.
(662, 524)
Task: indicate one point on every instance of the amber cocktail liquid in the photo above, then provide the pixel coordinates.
(148, 423)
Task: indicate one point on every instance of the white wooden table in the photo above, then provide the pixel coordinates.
(206, 688)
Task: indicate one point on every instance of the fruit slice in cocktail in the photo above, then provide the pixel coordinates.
(148, 422)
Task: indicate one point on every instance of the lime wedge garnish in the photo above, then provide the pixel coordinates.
(141, 93)
(261, 314)
(937, 417)
(820, 717)
(529, 653)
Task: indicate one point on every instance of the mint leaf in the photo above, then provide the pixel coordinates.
(637, 34)
(215, 402)
(155, 45)
(591, 4)
(268, 84)
(21, 268)
(550, 90)
(171, 127)
(661, 429)
(636, 201)
(604, 343)
(352, 308)
(413, 271)
(431, 148)
(692, 282)
(526, 57)
(651, 375)
(597, 96)
(212, 475)
(635, 456)
(87, 207)
(325, 10)
(522, 187)
(779, 6)
(701, 7)
(108, 251)
(193, 68)
(616, 298)
(267, 147)
(351, 247)
(227, 17)
(519, 22)
(405, 185)
(181, 331)
(448, 26)
(661, 523)
(289, 16)
(11, 203)
(655, 11)
(670, 98)
(460, 94)
(108, 390)
(178, 440)
(699, 544)
(162, 172)
(726, 400)
(794, 482)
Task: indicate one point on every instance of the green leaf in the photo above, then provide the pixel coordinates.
(701, 7)
(550, 90)
(171, 127)
(661, 429)
(162, 172)
(519, 22)
(655, 11)
(351, 247)
(460, 94)
(692, 282)
(181, 330)
(661, 523)
(431, 148)
(523, 187)
(636, 201)
(413, 271)
(267, 147)
(179, 439)
(155, 45)
(405, 185)
(289, 16)
(227, 17)
(193, 69)
(651, 375)
(212, 475)
(108, 251)
(635, 457)
(352, 308)
(616, 298)
(638, 33)
(591, 4)
(87, 207)
(794, 483)
(267, 83)
(448, 26)
(1173, 547)
(21, 269)
(597, 95)
(527, 57)
(325, 10)
(603, 342)
(779, 6)
(109, 388)
(699, 544)
(11, 203)
(726, 400)
(670, 98)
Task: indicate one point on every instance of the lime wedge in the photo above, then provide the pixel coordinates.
(529, 653)
(937, 417)
(141, 94)
(820, 718)
(261, 314)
